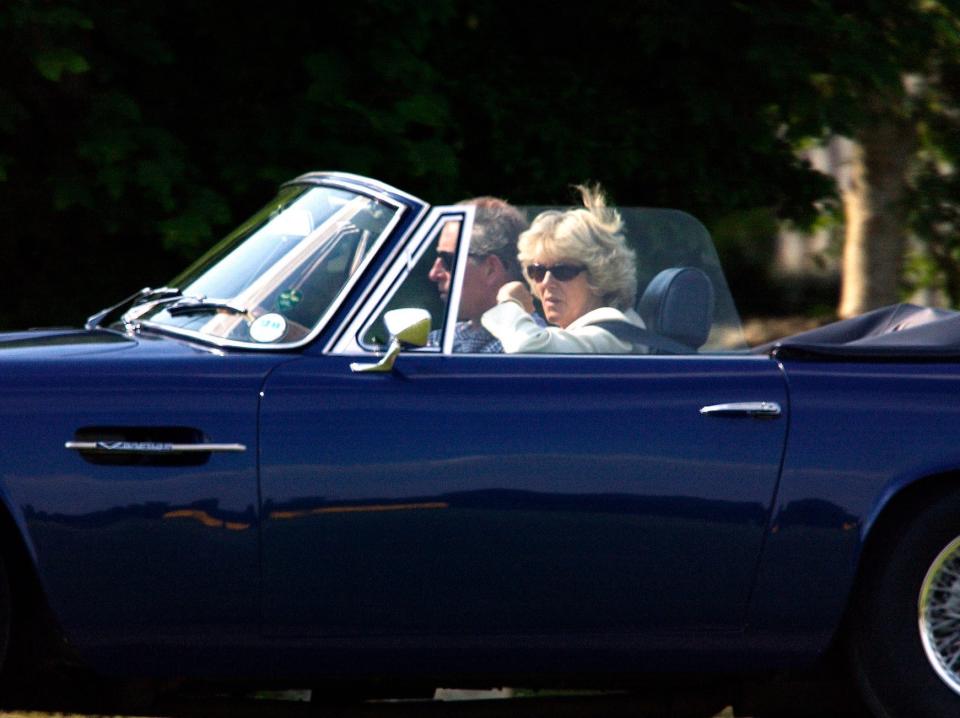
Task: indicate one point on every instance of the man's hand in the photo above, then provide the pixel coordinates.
(516, 292)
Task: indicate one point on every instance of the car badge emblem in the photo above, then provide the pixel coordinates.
(135, 446)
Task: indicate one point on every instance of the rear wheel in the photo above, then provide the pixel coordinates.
(905, 639)
(940, 615)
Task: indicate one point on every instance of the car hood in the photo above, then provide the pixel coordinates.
(42, 343)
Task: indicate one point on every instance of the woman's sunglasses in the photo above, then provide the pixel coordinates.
(560, 272)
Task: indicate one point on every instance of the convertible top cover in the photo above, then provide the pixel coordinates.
(899, 331)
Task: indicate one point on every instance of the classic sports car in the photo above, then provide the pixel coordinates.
(277, 468)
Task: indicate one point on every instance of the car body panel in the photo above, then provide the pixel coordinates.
(459, 514)
(859, 434)
(38, 344)
(129, 551)
(559, 496)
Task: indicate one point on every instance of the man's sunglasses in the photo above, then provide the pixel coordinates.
(447, 259)
(560, 272)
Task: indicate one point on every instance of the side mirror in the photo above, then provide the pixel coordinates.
(407, 327)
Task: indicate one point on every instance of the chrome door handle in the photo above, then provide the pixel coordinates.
(149, 447)
(755, 409)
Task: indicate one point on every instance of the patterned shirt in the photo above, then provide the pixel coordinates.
(469, 339)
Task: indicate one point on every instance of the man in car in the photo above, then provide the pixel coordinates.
(492, 262)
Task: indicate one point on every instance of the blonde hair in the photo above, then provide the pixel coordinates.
(593, 236)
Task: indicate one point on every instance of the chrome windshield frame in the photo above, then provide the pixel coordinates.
(354, 183)
(345, 341)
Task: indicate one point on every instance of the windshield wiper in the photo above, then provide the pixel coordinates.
(196, 305)
(146, 294)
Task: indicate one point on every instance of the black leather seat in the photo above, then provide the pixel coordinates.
(678, 304)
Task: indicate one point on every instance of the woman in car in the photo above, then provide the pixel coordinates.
(579, 266)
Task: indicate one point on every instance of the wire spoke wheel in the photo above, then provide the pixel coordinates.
(939, 608)
(904, 642)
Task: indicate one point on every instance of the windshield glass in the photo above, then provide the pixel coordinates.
(273, 279)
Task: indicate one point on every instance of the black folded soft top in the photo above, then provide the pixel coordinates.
(896, 332)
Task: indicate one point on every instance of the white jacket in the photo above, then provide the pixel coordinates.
(519, 333)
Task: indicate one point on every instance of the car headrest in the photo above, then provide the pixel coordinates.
(678, 304)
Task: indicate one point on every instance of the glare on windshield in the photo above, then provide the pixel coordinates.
(282, 269)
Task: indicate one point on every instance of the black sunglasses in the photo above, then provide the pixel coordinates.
(560, 272)
(446, 259)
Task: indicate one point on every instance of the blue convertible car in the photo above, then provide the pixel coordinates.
(279, 468)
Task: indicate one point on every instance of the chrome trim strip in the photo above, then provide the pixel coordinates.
(394, 266)
(150, 447)
(756, 409)
(453, 300)
(351, 181)
(579, 358)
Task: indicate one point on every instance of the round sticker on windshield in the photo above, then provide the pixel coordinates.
(268, 328)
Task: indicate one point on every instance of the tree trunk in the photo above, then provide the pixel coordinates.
(875, 216)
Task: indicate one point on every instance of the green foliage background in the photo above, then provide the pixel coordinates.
(133, 135)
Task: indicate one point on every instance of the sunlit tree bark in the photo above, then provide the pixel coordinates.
(875, 215)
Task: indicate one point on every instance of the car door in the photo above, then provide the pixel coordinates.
(508, 494)
(486, 494)
(136, 478)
